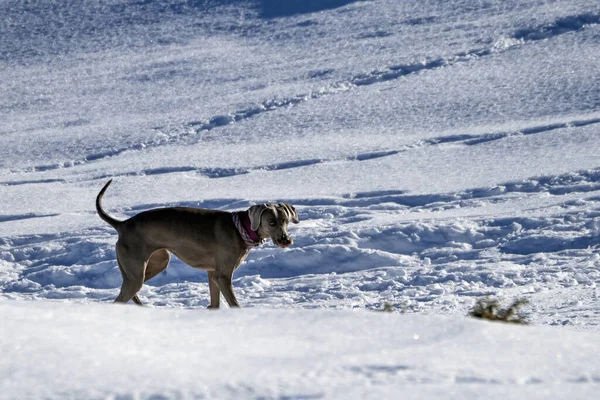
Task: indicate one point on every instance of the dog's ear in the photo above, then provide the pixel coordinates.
(255, 213)
(290, 210)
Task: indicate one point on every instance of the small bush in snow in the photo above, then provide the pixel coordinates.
(489, 309)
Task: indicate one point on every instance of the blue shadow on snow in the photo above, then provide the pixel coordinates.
(286, 8)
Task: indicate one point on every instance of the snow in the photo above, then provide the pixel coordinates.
(437, 152)
(88, 351)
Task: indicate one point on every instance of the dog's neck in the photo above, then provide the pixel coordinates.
(252, 238)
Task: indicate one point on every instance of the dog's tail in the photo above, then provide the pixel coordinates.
(107, 218)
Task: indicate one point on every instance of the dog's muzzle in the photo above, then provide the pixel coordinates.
(284, 242)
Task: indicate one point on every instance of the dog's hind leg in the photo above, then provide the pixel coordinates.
(129, 289)
(158, 262)
(132, 269)
(137, 300)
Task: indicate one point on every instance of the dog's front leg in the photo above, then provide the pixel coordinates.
(225, 286)
(227, 260)
(215, 294)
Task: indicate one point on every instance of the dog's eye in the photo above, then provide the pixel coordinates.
(272, 223)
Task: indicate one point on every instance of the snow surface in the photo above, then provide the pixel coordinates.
(54, 350)
(437, 152)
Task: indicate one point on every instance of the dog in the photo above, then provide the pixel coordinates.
(211, 240)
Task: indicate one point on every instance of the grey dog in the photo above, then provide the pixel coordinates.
(211, 240)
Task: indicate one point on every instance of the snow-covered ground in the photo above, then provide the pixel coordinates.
(437, 152)
(74, 351)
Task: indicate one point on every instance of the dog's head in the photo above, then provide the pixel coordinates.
(271, 220)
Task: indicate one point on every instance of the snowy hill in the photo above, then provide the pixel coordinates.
(437, 152)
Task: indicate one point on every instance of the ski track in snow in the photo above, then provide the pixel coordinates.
(192, 131)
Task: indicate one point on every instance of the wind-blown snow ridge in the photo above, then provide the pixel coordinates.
(531, 130)
(560, 26)
(572, 182)
(466, 139)
(5, 218)
(31, 181)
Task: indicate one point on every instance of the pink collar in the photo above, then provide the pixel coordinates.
(241, 219)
